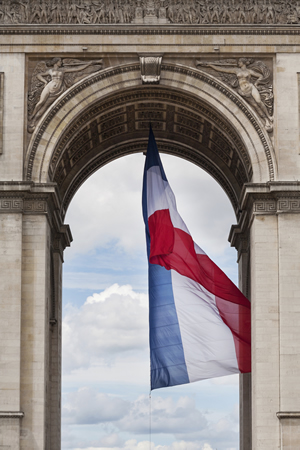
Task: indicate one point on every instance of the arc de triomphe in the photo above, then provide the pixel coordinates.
(79, 82)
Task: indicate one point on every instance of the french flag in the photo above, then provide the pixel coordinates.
(200, 322)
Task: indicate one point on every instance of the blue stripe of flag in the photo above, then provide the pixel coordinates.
(168, 367)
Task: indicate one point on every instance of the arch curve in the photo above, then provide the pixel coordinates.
(194, 116)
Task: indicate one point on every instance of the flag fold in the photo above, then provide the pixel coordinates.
(200, 322)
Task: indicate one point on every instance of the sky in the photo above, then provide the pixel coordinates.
(106, 370)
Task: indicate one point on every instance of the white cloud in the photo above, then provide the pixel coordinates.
(132, 444)
(107, 208)
(111, 440)
(167, 416)
(86, 406)
(106, 326)
(180, 419)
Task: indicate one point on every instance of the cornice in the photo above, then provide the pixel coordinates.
(36, 199)
(272, 198)
(183, 30)
(288, 415)
(11, 414)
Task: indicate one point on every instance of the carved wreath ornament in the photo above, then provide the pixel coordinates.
(157, 11)
(50, 79)
(251, 79)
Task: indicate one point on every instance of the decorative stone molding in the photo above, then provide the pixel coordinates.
(241, 12)
(264, 206)
(150, 68)
(71, 93)
(236, 99)
(288, 415)
(150, 30)
(21, 204)
(186, 71)
(31, 198)
(11, 414)
(264, 199)
(50, 79)
(62, 239)
(251, 79)
(239, 236)
(281, 204)
(11, 204)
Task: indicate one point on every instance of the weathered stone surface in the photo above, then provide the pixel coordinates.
(200, 112)
(150, 11)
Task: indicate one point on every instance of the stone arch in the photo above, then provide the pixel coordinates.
(194, 115)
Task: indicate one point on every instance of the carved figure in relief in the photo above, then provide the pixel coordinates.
(226, 17)
(126, 13)
(206, 11)
(172, 13)
(293, 13)
(43, 12)
(255, 15)
(215, 16)
(6, 16)
(177, 11)
(50, 79)
(111, 13)
(270, 13)
(241, 12)
(258, 93)
(35, 13)
(24, 16)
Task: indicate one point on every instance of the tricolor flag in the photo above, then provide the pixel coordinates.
(200, 323)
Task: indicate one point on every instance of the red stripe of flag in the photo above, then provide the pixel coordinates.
(174, 249)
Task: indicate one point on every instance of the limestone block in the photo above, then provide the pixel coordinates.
(290, 433)
(265, 333)
(11, 161)
(287, 107)
(35, 326)
(10, 305)
(289, 250)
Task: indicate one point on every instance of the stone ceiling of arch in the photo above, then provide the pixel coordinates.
(118, 125)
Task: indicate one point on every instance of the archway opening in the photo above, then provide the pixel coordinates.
(118, 125)
(106, 361)
(106, 116)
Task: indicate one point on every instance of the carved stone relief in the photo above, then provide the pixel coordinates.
(150, 12)
(150, 69)
(249, 78)
(50, 79)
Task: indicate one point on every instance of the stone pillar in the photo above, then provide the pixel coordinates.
(32, 241)
(60, 241)
(289, 326)
(10, 320)
(35, 330)
(265, 332)
(272, 215)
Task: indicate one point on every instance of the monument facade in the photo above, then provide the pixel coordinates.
(79, 82)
